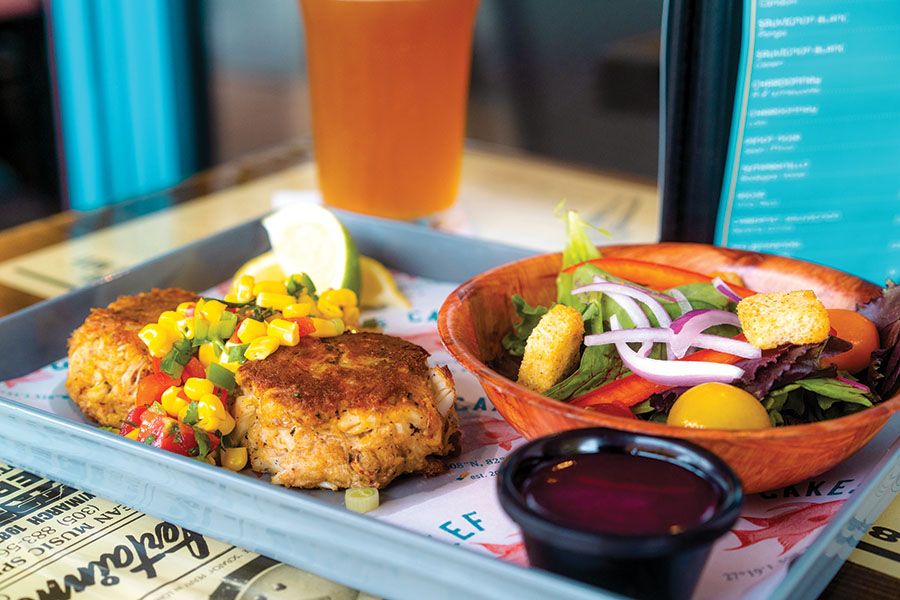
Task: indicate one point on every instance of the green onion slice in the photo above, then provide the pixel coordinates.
(361, 500)
(236, 353)
(220, 376)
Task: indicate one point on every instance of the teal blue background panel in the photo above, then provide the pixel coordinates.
(124, 93)
(814, 164)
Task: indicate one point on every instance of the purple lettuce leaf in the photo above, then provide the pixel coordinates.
(786, 364)
(883, 375)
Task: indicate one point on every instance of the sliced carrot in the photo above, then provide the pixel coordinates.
(653, 275)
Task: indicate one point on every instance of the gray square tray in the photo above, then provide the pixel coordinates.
(290, 525)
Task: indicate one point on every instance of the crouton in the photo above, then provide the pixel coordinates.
(770, 320)
(552, 350)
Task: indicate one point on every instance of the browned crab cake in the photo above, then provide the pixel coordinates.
(107, 358)
(356, 410)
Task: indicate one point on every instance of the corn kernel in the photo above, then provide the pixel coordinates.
(243, 288)
(207, 354)
(172, 402)
(327, 327)
(184, 307)
(306, 298)
(157, 338)
(229, 297)
(231, 366)
(261, 347)
(286, 332)
(343, 297)
(297, 309)
(133, 434)
(205, 411)
(328, 310)
(351, 316)
(195, 387)
(274, 300)
(269, 285)
(250, 329)
(212, 310)
(234, 459)
(227, 424)
(208, 424)
(213, 403)
(169, 319)
(186, 327)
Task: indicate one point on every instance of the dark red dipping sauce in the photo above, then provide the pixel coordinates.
(623, 494)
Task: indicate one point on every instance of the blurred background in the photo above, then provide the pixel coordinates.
(102, 100)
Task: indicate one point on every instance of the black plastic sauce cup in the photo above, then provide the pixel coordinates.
(658, 565)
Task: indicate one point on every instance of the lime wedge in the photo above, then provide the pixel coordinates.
(307, 238)
(262, 268)
(378, 286)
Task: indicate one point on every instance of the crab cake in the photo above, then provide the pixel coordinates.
(107, 358)
(356, 410)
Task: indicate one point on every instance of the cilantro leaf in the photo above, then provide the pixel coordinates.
(192, 415)
(203, 444)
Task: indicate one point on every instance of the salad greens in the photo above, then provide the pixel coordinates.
(789, 381)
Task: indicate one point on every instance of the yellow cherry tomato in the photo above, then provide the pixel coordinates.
(718, 406)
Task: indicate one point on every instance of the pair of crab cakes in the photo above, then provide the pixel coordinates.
(356, 410)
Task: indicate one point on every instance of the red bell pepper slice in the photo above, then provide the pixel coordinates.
(614, 409)
(653, 275)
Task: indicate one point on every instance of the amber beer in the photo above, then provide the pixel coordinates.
(388, 81)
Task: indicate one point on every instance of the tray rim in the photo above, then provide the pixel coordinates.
(50, 455)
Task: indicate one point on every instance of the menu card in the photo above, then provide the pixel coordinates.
(813, 170)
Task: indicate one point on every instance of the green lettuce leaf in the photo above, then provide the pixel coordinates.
(514, 341)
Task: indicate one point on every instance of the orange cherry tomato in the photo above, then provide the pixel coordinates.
(851, 326)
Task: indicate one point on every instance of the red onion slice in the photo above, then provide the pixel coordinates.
(683, 303)
(689, 325)
(655, 334)
(649, 292)
(674, 373)
(637, 334)
(635, 313)
(725, 290)
(727, 345)
(618, 289)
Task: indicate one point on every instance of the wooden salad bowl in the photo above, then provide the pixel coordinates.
(475, 317)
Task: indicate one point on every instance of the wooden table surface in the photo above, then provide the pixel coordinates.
(503, 196)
